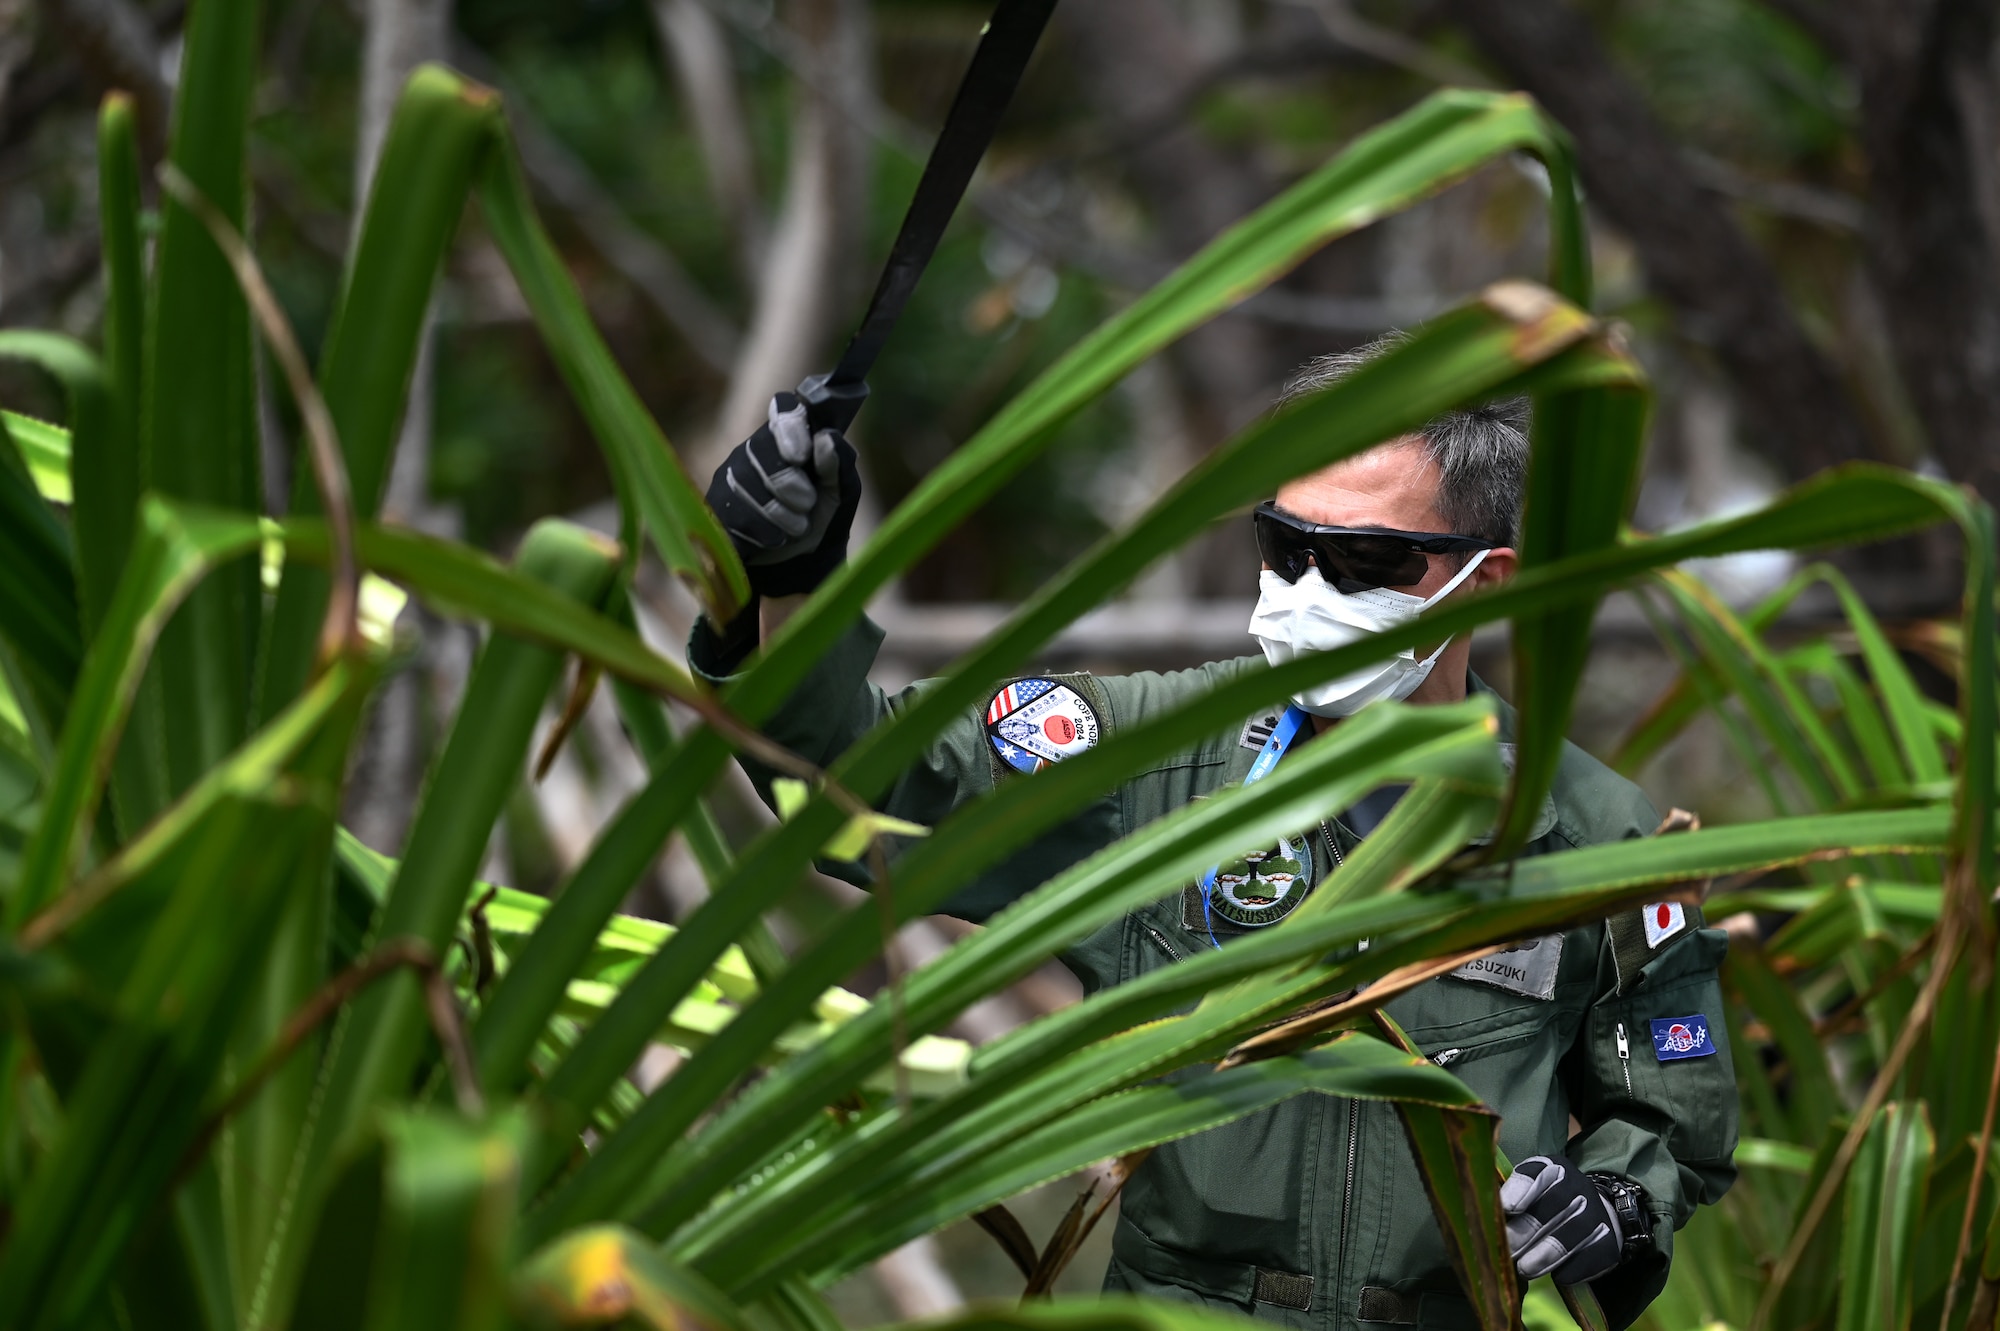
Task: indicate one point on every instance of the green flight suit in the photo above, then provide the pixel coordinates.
(1312, 1213)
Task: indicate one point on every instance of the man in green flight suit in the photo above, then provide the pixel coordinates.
(1602, 1047)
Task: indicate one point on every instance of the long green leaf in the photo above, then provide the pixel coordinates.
(198, 414)
(1352, 1066)
(102, 908)
(37, 601)
(106, 465)
(464, 795)
(175, 548)
(45, 448)
(1860, 711)
(41, 617)
(1855, 499)
(375, 1052)
(1971, 883)
(1700, 686)
(1461, 355)
(449, 1197)
(1138, 869)
(1715, 852)
(1583, 474)
(646, 721)
(954, 1138)
(511, 1021)
(455, 579)
(1884, 1208)
(1458, 1153)
(1900, 695)
(1043, 1067)
(135, 1107)
(1784, 716)
(1013, 941)
(442, 126)
(1684, 699)
(135, 1111)
(1050, 1071)
(1814, 1098)
(257, 1168)
(688, 536)
(758, 1229)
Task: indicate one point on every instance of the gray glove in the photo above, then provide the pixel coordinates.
(1558, 1221)
(787, 497)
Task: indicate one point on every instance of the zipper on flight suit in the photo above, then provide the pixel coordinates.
(1353, 1115)
(1625, 1058)
(1332, 846)
(1347, 1195)
(1162, 942)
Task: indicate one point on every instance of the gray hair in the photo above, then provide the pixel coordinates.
(1481, 452)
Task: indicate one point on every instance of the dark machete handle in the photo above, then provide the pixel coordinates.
(830, 405)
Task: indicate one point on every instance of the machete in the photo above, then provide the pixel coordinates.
(833, 399)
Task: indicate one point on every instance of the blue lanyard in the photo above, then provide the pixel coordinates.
(1280, 739)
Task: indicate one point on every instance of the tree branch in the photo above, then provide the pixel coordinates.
(1722, 289)
(1928, 101)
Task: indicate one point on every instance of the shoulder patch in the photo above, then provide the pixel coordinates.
(1033, 722)
(1663, 920)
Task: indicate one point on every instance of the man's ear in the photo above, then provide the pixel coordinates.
(1498, 566)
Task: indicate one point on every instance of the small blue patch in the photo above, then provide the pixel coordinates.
(1681, 1037)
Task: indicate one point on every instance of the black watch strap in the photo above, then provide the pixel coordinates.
(1628, 1202)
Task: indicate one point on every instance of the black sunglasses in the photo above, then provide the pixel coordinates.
(1352, 559)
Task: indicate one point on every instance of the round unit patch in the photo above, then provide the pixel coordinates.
(1263, 888)
(1034, 722)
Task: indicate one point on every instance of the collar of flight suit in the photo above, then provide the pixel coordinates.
(1240, 759)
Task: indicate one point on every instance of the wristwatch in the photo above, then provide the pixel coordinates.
(1628, 1203)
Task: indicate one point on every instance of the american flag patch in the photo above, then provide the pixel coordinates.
(1016, 696)
(1034, 722)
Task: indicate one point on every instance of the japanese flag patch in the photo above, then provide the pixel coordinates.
(1663, 921)
(1034, 722)
(1681, 1037)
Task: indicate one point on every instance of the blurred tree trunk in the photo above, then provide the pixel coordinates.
(1723, 291)
(698, 47)
(1139, 59)
(915, 1280)
(1926, 70)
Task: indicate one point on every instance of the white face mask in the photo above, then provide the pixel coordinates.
(1296, 618)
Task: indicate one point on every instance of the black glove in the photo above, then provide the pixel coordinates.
(787, 496)
(1558, 1221)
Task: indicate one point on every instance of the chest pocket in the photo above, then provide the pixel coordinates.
(1499, 1003)
(1456, 1021)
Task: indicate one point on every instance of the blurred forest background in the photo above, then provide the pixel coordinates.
(1795, 208)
